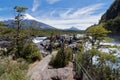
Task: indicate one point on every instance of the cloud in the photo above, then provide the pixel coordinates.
(2, 18)
(81, 18)
(82, 12)
(3, 9)
(36, 4)
(81, 23)
(52, 1)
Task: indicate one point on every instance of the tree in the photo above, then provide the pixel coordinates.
(96, 63)
(19, 10)
(96, 34)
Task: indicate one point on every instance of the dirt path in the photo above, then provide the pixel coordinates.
(35, 72)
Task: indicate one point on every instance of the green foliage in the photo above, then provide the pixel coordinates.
(62, 58)
(94, 52)
(112, 17)
(96, 63)
(30, 53)
(97, 31)
(103, 57)
(113, 25)
(11, 70)
(52, 61)
(47, 32)
(7, 33)
(80, 47)
(2, 23)
(18, 37)
(101, 68)
(112, 12)
(20, 46)
(34, 32)
(20, 9)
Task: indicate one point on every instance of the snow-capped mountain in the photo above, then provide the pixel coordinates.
(29, 21)
(29, 17)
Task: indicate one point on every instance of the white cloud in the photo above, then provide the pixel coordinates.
(52, 1)
(81, 23)
(36, 4)
(81, 18)
(82, 12)
(3, 9)
(5, 18)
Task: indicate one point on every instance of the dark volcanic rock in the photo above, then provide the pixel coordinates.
(4, 44)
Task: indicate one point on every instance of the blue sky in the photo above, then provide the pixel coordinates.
(59, 13)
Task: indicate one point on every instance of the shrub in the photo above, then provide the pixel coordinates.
(31, 53)
(62, 58)
(52, 60)
(23, 65)
(10, 70)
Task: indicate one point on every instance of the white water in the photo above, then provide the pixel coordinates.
(38, 39)
(107, 51)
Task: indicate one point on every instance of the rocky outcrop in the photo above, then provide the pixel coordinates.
(42, 71)
(58, 74)
(4, 44)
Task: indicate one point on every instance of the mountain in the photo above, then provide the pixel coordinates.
(112, 17)
(112, 12)
(73, 28)
(28, 21)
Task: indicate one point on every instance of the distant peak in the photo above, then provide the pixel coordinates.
(72, 28)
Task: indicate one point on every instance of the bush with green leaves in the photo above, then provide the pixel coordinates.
(30, 53)
(62, 58)
(98, 64)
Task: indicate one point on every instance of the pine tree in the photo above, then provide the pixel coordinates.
(19, 10)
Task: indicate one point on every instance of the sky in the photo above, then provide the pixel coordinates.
(61, 14)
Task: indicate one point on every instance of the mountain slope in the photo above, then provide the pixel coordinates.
(29, 21)
(112, 17)
(112, 12)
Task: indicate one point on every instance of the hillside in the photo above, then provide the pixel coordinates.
(112, 17)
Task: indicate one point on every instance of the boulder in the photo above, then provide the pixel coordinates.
(58, 74)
